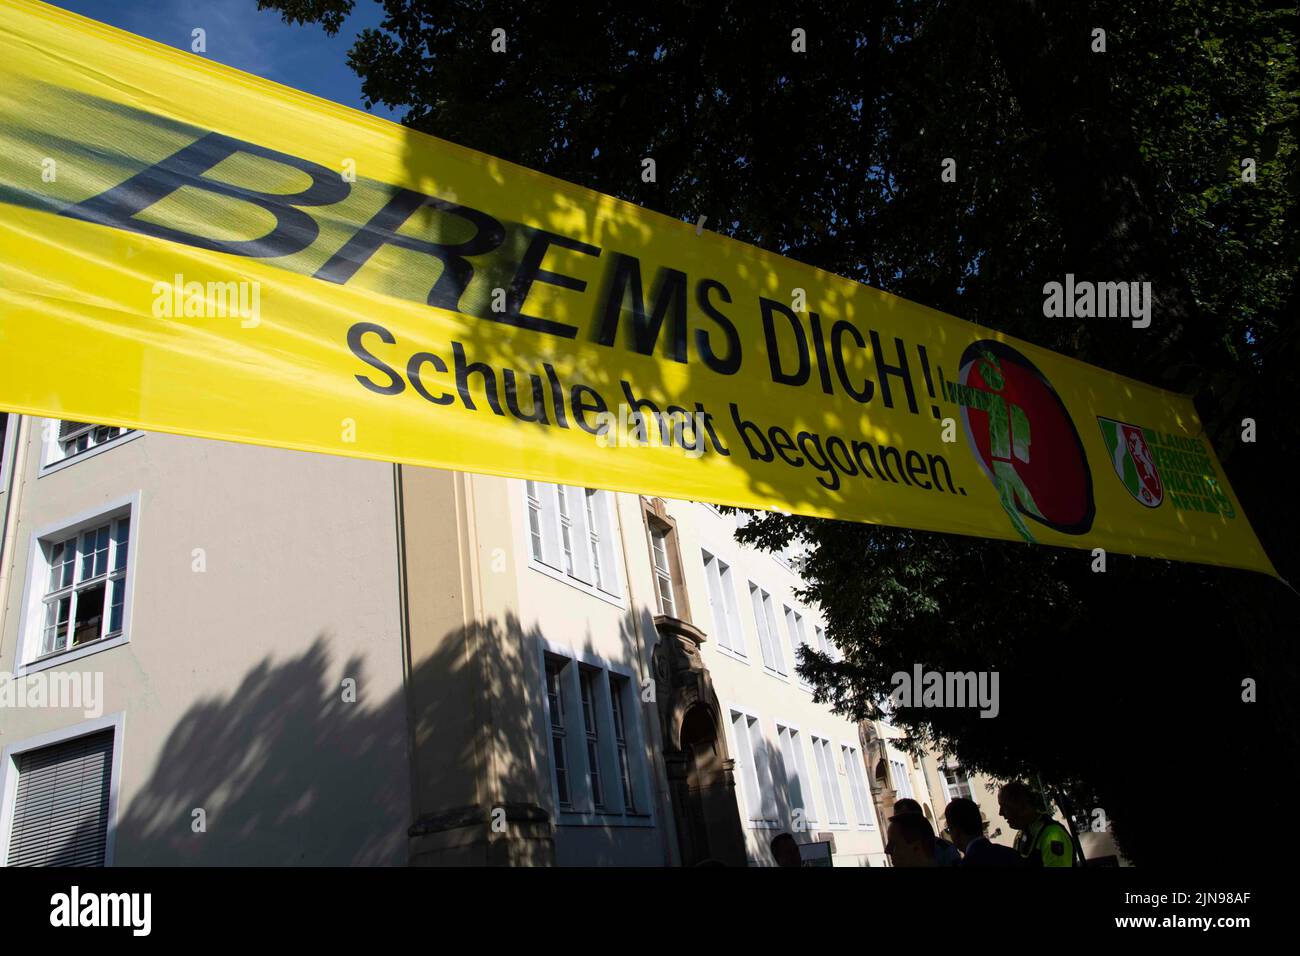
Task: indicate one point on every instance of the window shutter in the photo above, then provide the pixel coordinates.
(763, 771)
(604, 508)
(577, 508)
(720, 623)
(66, 428)
(745, 761)
(805, 781)
(790, 770)
(550, 519)
(773, 635)
(734, 629)
(61, 810)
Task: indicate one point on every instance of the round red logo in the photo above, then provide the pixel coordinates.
(1023, 437)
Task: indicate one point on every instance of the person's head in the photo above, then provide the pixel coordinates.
(962, 815)
(910, 840)
(785, 850)
(1019, 805)
(907, 805)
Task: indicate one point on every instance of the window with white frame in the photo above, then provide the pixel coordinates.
(857, 774)
(83, 578)
(956, 782)
(587, 684)
(825, 646)
(825, 758)
(61, 802)
(798, 638)
(555, 695)
(663, 571)
(571, 530)
(76, 438)
(618, 694)
(600, 538)
(755, 767)
(902, 779)
(722, 598)
(798, 784)
(765, 623)
(595, 743)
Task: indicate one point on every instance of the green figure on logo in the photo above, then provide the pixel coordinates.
(1008, 436)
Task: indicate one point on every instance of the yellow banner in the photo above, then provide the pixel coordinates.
(185, 248)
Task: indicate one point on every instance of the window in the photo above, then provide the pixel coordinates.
(665, 560)
(62, 799)
(956, 782)
(599, 537)
(856, 771)
(755, 767)
(595, 742)
(798, 638)
(825, 646)
(79, 586)
(722, 598)
(788, 557)
(570, 530)
(765, 622)
(566, 533)
(86, 591)
(902, 779)
(825, 758)
(588, 684)
(663, 573)
(618, 688)
(559, 734)
(797, 781)
(77, 438)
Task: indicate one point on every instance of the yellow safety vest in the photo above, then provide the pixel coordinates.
(1046, 843)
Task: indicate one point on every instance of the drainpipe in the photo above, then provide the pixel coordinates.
(17, 439)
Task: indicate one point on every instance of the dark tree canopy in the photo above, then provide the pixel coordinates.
(1120, 690)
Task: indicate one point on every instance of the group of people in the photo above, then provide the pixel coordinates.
(912, 842)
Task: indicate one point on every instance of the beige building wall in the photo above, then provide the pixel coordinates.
(260, 581)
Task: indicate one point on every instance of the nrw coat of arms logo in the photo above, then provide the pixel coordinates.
(1133, 461)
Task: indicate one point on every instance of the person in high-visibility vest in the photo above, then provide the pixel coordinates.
(1041, 840)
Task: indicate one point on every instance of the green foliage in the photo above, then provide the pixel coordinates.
(1122, 690)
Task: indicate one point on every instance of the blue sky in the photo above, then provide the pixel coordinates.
(256, 41)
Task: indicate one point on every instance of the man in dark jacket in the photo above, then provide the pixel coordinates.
(945, 854)
(966, 827)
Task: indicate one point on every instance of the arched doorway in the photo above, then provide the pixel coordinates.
(708, 802)
(701, 774)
